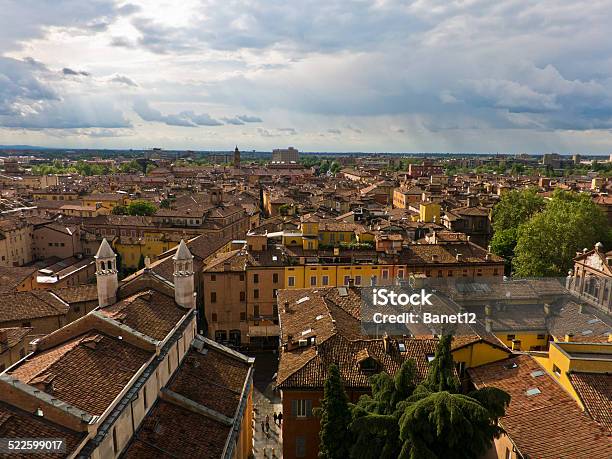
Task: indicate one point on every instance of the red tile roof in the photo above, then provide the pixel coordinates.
(548, 425)
(88, 371)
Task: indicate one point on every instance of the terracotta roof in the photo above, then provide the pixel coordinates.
(417, 254)
(13, 277)
(331, 317)
(595, 392)
(16, 423)
(88, 371)
(32, 305)
(77, 294)
(213, 379)
(149, 312)
(548, 424)
(10, 337)
(584, 322)
(171, 431)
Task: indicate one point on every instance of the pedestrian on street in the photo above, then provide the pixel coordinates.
(280, 418)
(263, 430)
(267, 423)
(275, 417)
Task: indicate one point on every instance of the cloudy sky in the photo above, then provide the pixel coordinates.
(321, 75)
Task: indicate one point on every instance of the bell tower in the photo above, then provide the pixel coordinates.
(106, 274)
(237, 157)
(184, 284)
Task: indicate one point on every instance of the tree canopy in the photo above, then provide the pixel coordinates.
(335, 417)
(406, 420)
(141, 207)
(548, 242)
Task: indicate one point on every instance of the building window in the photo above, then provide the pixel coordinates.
(313, 281)
(373, 281)
(385, 274)
(213, 317)
(510, 337)
(241, 277)
(357, 280)
(243, 317)
(301, 408)
(275, 278)
(256, 278)
(541, 336)
(291, 281)
(300, 447)
(557, 371)
(213, 277)
(508, 454)
(400, 274)
(347, 280)
(495, 271)
(213, 297)
(325, 280)
(256, 293)
(256, 310)
(242, 296)
(144, 397)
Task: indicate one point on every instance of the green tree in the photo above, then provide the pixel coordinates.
(451, 426)
(430, 421)
(335, 418)
(141, 207)
(164, 204)
(441, 376)
(548, 242)
(515, 208)
(334, 167)
(119, 210)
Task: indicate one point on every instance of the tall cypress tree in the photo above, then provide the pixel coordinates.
(441, 376)
(335, 418)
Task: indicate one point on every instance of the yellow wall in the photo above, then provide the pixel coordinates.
(334, 237)
(478, 354)
(558, 356)
(151, 247)
(428, 211)
(529, 340)
(336, 274)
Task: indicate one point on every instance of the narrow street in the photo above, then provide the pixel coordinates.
(266, 402)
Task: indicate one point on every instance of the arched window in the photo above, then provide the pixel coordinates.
(102, 265)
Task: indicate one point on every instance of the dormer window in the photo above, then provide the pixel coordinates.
(368, 365)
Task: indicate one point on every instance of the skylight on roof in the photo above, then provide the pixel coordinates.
(301, 300)
(305, 332)
(342, 291)
(535, 374)
(587, 332)
(319, 317)
(533, 391)
(402, 347)
(430, 357)
(593, 321)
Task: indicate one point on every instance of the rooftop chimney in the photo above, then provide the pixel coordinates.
(568, 337)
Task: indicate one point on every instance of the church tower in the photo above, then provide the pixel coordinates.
(184, 283)
(237, 157)
(106, 274)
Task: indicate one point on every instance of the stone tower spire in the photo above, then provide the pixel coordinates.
(106, 274)
(184, 283)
